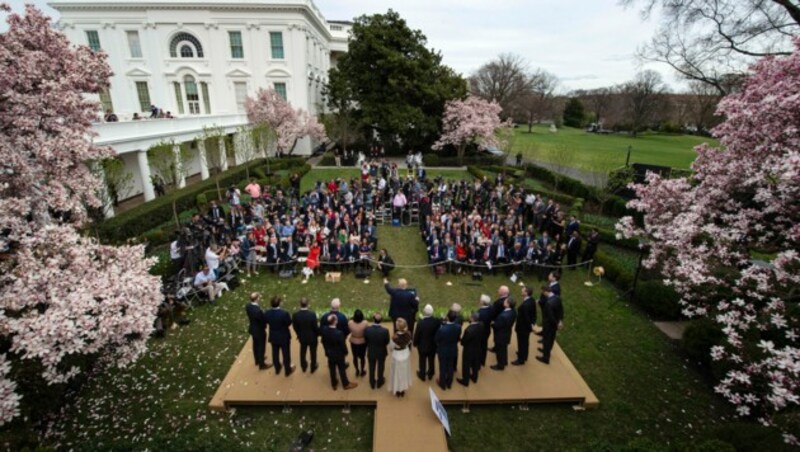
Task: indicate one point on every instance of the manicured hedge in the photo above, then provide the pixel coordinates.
(610, 236)
(433, 159)
(699, 337)
(152, 214)
(658, 300)
(615, 271)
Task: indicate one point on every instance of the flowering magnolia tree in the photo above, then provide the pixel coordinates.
(61, 294)
(727, 239)
(470, 121)
(270, 109)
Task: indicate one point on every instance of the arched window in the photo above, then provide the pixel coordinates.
(192, 95)
(186, 51)
(185, 42)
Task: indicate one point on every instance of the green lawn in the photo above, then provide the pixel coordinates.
(647, 392)
(592, 152)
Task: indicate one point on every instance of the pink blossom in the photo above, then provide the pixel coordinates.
(61, 293)
(702, 232)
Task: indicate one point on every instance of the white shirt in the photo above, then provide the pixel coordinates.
(212, 259)
(174, 250)
(202, 278)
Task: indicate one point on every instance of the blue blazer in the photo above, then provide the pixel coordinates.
(279, 322)
(258, 324)
(447, 339)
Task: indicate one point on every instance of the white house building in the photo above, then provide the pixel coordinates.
(199, 60)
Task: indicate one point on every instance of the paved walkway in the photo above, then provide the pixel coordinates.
(587, 177)
(673, 330)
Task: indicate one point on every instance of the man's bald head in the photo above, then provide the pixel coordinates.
(503, 291)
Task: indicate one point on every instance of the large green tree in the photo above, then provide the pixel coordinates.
(397, 85)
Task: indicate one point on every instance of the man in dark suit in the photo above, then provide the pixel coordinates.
(471, 350)
(502, 333)
(573, 249)
(447, 347)
(591, 246)
(424, 343)
(335, 350)
(274, 254)
(573, 226)
(552, 321)
(485, 314)
(526, 318)
(258, 326)
(553, 282)
(280, 337)
(215, 213)
(305, 326)
(377, 339)
(498, 306)
(404, 303)
(341, 319)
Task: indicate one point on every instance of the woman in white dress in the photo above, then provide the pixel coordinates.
(400, 377)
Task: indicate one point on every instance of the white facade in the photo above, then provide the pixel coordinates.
(198, 60)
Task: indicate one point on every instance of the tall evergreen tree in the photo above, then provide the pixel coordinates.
(398, 85)
(574, 114)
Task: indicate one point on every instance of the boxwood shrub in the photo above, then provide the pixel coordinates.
(658, 300)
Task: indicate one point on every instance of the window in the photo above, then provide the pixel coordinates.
(280, 88)
(276, 41)
(94, 40)
(237, 49)
(240, 90)
(134, 45)
(206, 99)
(105, 100)
(192, 95)
(187, 51)
(189, 46)
(144, 96)
(178, 97)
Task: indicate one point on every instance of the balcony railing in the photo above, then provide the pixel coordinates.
(129, 136)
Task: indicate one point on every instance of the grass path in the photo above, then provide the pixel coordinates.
(645, 388)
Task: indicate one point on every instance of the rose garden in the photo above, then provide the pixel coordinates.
(95, 356)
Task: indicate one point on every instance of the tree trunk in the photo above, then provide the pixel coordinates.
(461, 150)
(530, 126)
(175, 213)
(216, 182)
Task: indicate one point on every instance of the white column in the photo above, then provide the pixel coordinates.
(144, 173)
(239, 149)
(105, 196)
(223, 155)
(180, 171)
(201, 154)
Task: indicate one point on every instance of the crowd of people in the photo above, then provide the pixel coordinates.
(371, 344)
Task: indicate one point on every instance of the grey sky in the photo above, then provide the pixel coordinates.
(586, 43)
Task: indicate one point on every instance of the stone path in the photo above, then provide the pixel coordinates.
(673, 330)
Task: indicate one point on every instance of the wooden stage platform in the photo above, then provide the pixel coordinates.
(534, 382)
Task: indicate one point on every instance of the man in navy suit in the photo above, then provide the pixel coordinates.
(425, 343)
(526, 318)
(305, 326)
(280, 337)
(404, 303)
(552, 321)
(377, 339)
(447, 348)
(485, 316)
(502, 333)
(573, 249)
(258, 327)
(335, 350)
(471, 351)
(341, 319)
